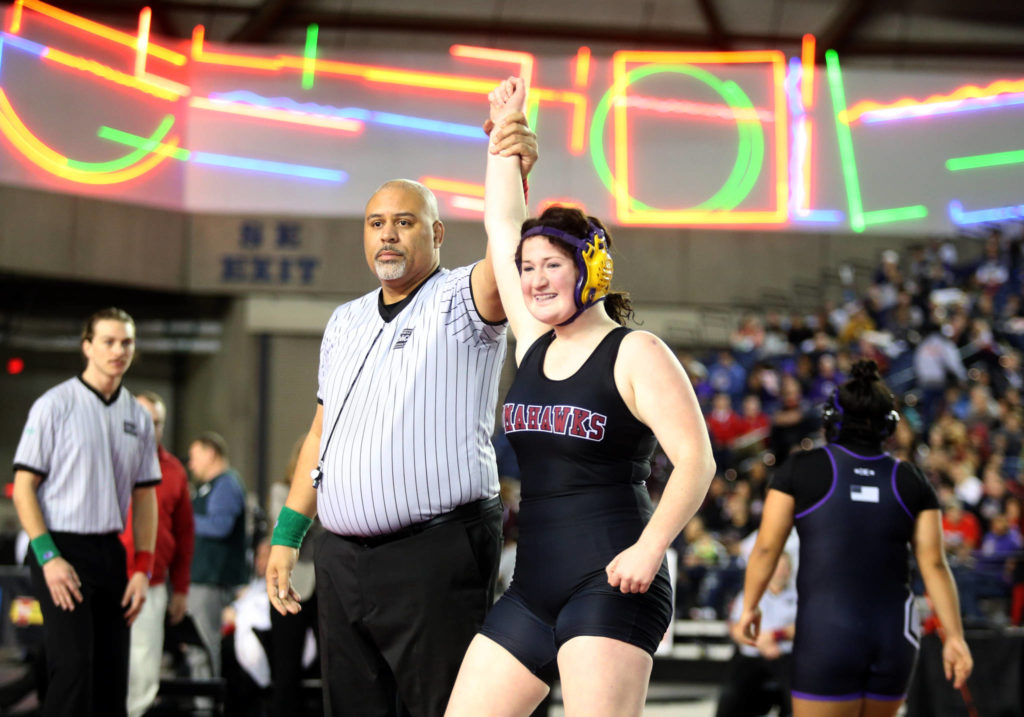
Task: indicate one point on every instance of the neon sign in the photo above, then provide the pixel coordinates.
(775, 160)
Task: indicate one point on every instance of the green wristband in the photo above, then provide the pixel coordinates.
(290, 528)
(44, 548)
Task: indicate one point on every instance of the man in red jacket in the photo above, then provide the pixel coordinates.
(172, 559)
(724, 424)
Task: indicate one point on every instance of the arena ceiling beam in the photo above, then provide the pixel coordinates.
(837, 34)
(840, 33)
(716, 29)
(262, 21)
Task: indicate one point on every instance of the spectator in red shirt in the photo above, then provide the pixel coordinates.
(172, 559)
(724, 427)
(960, 528)
(757, 425)
(724, 424)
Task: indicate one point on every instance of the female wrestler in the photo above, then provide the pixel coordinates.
(590, 597)
(857, 511)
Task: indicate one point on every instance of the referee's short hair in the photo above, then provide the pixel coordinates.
(214, 441)
(111, 312)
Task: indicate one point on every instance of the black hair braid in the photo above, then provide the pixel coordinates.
(865, 371)
(865, 399)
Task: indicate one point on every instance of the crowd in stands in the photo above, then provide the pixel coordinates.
(948, 333)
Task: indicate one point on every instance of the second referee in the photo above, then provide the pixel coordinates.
(87, 449)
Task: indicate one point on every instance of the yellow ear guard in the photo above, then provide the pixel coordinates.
(593, 261)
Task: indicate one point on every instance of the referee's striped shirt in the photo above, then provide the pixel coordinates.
(413, 438)
(91, 453)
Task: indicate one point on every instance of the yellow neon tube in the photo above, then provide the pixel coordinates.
(107, 33)
(807, 50)
(108, 73)
(965, 92)
(142, 41)
(53, 162)
(14, 26)
(278, 115)
(781, 138)
(581, 78)
(524, 59)
(439, 184)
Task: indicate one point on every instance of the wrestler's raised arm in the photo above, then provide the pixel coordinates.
(504, 214)
(512, 138)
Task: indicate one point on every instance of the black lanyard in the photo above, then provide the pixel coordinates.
(317, 474)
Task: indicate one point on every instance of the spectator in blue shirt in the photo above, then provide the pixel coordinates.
(726, 376)
(219, 563)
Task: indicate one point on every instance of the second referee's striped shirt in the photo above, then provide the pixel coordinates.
(91, 453)
(412, 438)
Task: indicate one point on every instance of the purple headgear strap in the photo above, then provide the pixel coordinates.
(576, 241)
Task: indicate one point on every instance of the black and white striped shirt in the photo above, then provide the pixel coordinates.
(412, 439)
(91, 453)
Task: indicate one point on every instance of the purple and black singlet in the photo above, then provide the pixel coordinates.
(857, 631)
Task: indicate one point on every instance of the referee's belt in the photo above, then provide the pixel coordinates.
(464, 513)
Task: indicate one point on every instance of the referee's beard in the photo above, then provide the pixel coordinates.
(390, 270)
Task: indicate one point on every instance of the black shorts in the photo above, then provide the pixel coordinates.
(596, 609)
(848, 654)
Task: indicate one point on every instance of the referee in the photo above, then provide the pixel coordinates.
(86, 451)
(404, 477)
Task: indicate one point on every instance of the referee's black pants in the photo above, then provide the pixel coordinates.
(396, 618)
(86, 648)
(753, 685)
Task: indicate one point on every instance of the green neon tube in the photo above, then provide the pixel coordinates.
(750, 151)
(843, 135)
(143, 147)
(978, 161)
(899, 214)
(309, 62)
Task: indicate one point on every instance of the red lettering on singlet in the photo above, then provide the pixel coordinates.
(580, 419)
(562, 414)
(518, 421)
(545, 419)
(532, 414)
(561, 420)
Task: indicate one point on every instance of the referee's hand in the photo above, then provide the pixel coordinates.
(513, 136)
(63, 582)
(134, 596)
(749, 626)
(280, 564)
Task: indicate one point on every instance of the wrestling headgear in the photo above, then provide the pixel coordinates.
(592, 260)
(832, 419)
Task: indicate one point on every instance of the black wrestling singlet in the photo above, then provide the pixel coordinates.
(583, 459)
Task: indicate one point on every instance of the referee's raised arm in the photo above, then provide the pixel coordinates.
(398, 465)
(295, 518)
